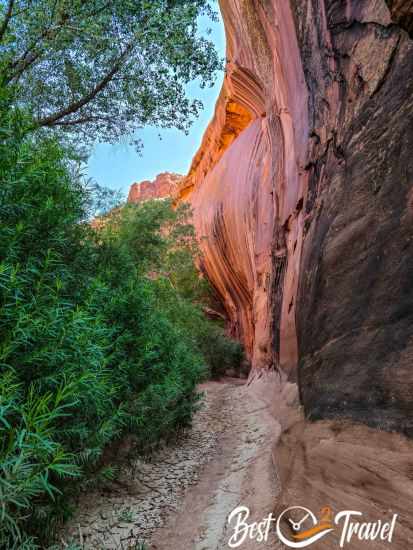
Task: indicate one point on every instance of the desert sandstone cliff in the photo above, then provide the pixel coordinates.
(163, 186)
(247, 183)
(302, 193)
(302, 196)
(303, 200)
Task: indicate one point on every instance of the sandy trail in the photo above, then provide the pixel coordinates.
(182, 498)
(241, 473)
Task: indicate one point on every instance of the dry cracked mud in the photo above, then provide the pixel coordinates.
(181, 499)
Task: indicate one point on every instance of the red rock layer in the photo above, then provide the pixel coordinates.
(247, 182)
(164, 185)
(303, 202)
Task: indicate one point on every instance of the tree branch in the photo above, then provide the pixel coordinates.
(36, 47)
(51, 120)
(6, 20)
(31, 54)
(82, 120)
(30, 59)
(76, 121)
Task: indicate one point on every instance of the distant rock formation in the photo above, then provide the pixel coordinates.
(164, 185)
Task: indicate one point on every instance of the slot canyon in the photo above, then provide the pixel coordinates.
(302, 198)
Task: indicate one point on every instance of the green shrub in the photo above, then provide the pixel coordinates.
(101, 332)
(31, 454)
(220, 352)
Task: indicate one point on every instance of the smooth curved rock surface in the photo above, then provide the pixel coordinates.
(302, 196)
(248, 180)
(302, 192)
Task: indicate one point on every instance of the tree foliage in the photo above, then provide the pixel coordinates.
(103, 68)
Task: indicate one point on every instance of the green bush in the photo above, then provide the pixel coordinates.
(101, 331)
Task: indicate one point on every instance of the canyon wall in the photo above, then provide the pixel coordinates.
(302, 197)
(303, 200)
(355, 299)
(247, 182)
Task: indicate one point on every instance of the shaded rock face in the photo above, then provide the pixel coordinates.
(344, 466)
(164, 185)
(355, 299)
(402, 13)
(303, 200)
(340, 464)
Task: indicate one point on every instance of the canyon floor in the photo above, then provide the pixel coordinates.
(181, 498)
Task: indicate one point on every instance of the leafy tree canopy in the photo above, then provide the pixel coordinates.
(100, 69)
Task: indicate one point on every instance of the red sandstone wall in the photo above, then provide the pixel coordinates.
(302, 198)
(247, 182)
(305, 211)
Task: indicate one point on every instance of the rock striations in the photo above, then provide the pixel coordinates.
(247, 182)
(303, 199)
(302, 196)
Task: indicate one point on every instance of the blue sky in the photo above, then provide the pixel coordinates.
(118, 166)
